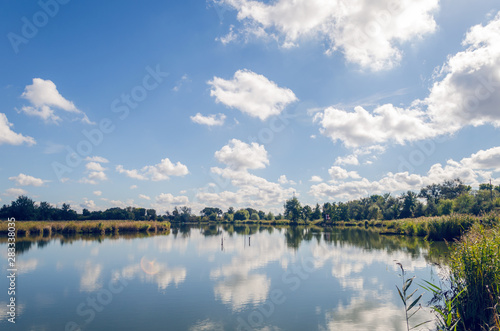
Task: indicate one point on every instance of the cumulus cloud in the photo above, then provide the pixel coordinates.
(95, 171)
(88, 204)
(145, 197)
(252, 94)
(469, 92)
(15, 192)
(285, 181)
(158, 172)
(44, 97)
(9, 137)
(316, 179)
(98, 159)
(98, 193)
(210, 120)
(369, 33)
(251, 190)
(386, 124)
(26, 180)
(338, 173)
(241, 156)
(465, 93)
(472, 170)
(169, 199)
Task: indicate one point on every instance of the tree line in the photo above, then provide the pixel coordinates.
(433, 200)
(451, 196)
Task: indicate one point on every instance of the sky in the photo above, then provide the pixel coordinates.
(245, 103)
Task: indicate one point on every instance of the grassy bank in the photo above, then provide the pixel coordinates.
(470, 298)
(83, 227)
(436, 228)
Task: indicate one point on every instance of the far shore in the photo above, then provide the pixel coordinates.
(448, 227)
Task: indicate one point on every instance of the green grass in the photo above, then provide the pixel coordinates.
(45, 229)
(475, 265)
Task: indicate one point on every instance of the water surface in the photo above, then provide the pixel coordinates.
(216, 278)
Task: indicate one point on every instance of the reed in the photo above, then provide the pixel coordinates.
(46, 229)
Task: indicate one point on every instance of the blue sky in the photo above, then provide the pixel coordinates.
(245, 103)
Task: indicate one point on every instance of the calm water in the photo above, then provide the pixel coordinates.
(260, 278)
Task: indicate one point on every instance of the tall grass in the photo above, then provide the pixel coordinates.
(472, 298)
(33, 229)
(475, 264)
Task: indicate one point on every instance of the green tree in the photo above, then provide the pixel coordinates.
(241, 215)
(23, 209)
(151, 214)
(255, 217)
(293, 210)
(409, 203)
(316, 213)
(307, 213)
(270, 216)
(445, 207)
(44, 211)
(431, 208)
(374, 212)
(207, 211)
(262, 215)
(463, 204)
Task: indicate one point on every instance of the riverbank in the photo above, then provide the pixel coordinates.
(438, 228)
(44, 228)
(435, 228)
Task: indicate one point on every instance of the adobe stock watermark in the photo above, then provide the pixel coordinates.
(484, 90)
(274, 126)
(291, 280)
(122, 107)
(374, 27)
(94, 304)
(31, 26)
(220, 8)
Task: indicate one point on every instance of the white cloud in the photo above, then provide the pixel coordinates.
(386, 124)
(465, 93)
(169, 199)
(338, 173)
(88, 204)
(158, 172)
(43, 95)
(284, 181)
(252, 94)
(252, 190)
(351, 159)
(130, 173)
(94, 166)
(15, 192)
(231, 36)
(145, 197)
(469, 92)
(241, 156)
(98, 193)
(210, 120)
(316, 179)
(9, 137)
(98, 159)
(472, 170)
(96, 172)
(184, 79)
(26, 180)
(368, 32)
(486, 160)
(133, 187)
(121, 204)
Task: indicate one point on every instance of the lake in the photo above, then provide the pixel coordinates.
(217, 278)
